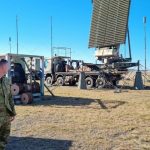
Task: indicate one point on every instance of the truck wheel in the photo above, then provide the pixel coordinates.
(72, 83)
(100, 83)
(60, 81)
(115, 83)
(89, 82)
(49, 81)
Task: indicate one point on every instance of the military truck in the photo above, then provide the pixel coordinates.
(62, 70)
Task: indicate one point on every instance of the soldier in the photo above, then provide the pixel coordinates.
(7, 110)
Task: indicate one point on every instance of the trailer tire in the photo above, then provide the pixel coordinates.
(89, 82)
(100, 83)
(49, 81)
(60, 81)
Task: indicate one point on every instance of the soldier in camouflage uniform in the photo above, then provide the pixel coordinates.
(7, 111)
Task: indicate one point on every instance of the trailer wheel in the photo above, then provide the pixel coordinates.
(60, 81)
(26, 98)
(49, 81)
(89, 82)
(100, 83)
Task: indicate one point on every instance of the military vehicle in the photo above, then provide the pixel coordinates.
(109, 30)
(61, 70)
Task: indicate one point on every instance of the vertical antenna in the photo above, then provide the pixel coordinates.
(17, 31)
(145, 40)
(51, 37)
(10, 43)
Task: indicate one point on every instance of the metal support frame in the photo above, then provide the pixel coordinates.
(9, 64)
(61, 48)
(31, 58)
(42, 78)
(9, 57)
(129, 44)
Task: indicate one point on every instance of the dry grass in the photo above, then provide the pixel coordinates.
(84, 120)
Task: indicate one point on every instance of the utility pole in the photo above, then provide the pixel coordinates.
(17, 32)
(51, 37)
(10, 44)
(145, 41)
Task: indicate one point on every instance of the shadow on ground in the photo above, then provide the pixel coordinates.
(132, 87)
(110, 104)
(63, 101)
(78, 102)
(29, 143)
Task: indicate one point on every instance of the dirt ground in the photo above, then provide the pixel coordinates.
(84, 120)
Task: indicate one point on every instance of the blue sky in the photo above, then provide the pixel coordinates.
(71, 26)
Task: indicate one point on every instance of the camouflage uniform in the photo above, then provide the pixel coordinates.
(6, 111)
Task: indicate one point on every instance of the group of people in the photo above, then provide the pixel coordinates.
(7, 110)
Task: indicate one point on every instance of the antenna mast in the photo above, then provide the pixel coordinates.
(17, 31)
(145, 43)
(51, 37)
(10, 44)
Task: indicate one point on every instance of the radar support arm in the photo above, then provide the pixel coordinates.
(130, 55)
